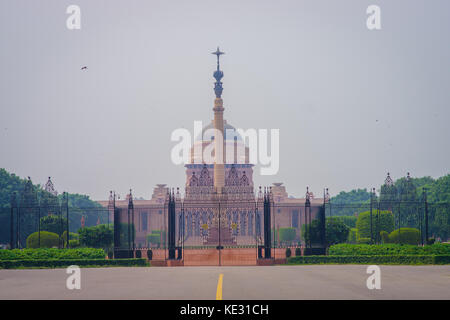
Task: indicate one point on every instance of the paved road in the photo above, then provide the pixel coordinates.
(275, 282)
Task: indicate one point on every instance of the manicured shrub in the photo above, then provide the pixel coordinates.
(384, 236)
(288, 252)
(388, 249)
(138, 254)
(149, 254)
(298, 252)
(47, 240)
(385, 223)
(52, 253)
(352, 235)
(405, 236)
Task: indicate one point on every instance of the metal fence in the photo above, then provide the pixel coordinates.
(166, 230)
(432, 220)
(26, 224)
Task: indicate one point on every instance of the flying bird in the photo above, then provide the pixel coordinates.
(84, 68)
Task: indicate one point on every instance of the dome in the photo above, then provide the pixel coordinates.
(208, 132)
(200, 145)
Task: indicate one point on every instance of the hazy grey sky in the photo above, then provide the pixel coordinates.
(310, 68)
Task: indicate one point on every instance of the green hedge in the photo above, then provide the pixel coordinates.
(388, 249)
(54, 263)
(51, 253)
(399, 259)
(363, 241)
(442, 259)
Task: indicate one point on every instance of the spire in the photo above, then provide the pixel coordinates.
(219, 157)
(218, 74)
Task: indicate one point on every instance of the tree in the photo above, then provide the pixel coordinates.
(438, 194)
(96, 237)
(385, 222)
(124, 235)
(81, 206)
(287, 234)
(440, 223)
(53, 224)
(336, 231)
(311, 232)
(29, 211)
(406, 213)
(349, 221)
(32, 196)
(356, 196)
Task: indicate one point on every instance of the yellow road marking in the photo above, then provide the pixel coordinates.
(219, 287)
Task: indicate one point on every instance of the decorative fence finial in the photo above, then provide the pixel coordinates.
(388, 181)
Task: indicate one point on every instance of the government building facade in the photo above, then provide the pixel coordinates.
(220, 201)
